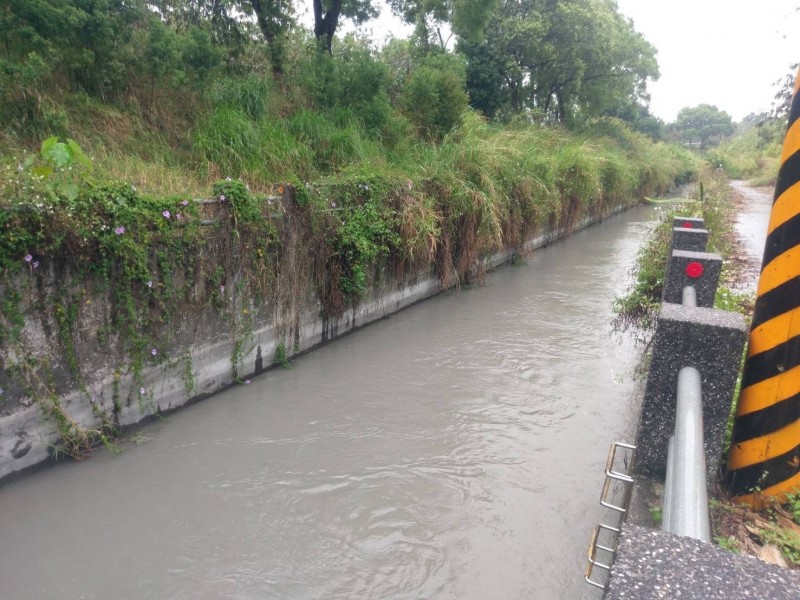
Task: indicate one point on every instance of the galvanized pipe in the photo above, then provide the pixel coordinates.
(689, 296)
(667, 508)
(688, 500)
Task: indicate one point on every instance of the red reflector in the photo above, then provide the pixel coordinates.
(694, 270)
(688, 225)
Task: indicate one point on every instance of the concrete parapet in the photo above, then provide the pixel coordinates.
(701, 270)
(690, 239)
(709, 340)
(653, 565)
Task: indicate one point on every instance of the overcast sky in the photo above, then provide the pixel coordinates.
(722, 52)
(728, 53)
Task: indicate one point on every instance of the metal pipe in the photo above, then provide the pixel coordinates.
(667, 508)
(689, 296)
(688, 502)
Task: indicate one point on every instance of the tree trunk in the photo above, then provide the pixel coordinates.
(325, 24)
(270, 30)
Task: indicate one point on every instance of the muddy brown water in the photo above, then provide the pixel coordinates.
(453, 451)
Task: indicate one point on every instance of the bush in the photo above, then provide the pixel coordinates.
(434, 98)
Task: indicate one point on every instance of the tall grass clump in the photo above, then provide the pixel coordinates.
(658, 166)
(334, 142)
(753, 155)
(250, 94)
(229, 139)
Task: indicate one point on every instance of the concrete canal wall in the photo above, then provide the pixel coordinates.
(207, 350)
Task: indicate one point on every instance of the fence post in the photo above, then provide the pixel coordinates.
(700, 270)
(712, 342)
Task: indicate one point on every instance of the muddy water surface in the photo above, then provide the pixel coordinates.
(454, 451)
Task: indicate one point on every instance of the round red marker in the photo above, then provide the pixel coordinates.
(694, 270)
(688, 225)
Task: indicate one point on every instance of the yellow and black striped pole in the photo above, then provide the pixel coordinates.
(764, 459)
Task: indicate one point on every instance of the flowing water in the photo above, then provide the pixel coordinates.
(453, 451)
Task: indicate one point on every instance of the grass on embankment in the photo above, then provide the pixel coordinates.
(116, 218)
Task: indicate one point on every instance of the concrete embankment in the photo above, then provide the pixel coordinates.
(208, 348)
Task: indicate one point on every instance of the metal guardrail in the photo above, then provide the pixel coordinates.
(685, 495)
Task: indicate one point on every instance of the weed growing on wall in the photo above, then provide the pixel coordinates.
(116, 277)
(65, 247)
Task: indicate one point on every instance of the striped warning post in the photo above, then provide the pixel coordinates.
(765, 449)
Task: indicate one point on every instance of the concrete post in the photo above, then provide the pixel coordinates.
(689, 222)
(691, 239)
(710, 341)
(700, 270)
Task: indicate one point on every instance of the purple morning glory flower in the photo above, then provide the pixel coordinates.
(119, 230)
(185, 203)
(153, 351)
(28, 258)
(166, 214)
(36, 264)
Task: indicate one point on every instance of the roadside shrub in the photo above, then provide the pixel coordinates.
(434, 98)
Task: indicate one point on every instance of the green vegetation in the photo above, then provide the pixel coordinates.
(638, 307)
(754, 152)
(703, 124)
(326, 164)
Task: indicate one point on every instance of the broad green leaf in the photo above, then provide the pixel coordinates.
(68, 190)
(48, 144)
(78, 154)
(56, 153)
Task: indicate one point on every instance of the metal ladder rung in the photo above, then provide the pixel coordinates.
(594, 545)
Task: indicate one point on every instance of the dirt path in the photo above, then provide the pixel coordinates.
(752, 217)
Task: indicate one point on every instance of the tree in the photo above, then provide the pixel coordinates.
(274, 18)
(703, 123)
(466, 18)
(783, 97)
(563, 59)
(327, 13)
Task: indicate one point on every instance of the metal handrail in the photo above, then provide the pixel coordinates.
(685, 493)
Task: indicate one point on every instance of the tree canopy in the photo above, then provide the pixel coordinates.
(561, 59)
(703, 124)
